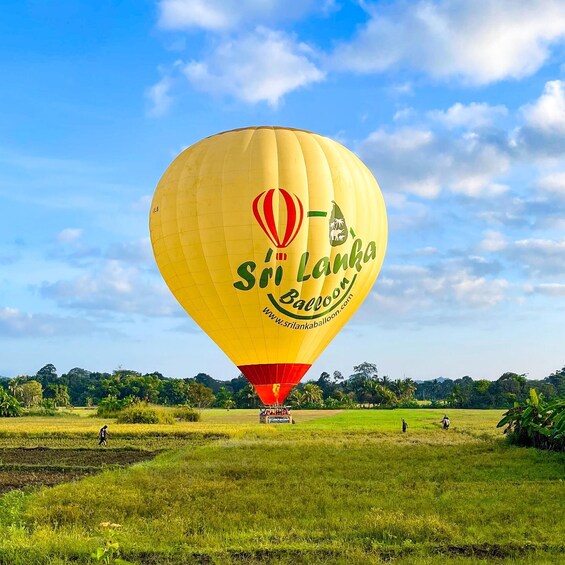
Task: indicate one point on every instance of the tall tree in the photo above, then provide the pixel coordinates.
(312, 394)
(246, 397)
(326, 384)
(79, 382)
(404, 389)
(200, 396)
(30, 393)
(224, 398)
(174, 391)
(60, 394)
(47, 375)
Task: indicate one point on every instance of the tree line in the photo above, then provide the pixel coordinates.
(362, 388)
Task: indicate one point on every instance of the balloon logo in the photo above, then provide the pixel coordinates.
(267, 212)
(338, 227)
(270, 274)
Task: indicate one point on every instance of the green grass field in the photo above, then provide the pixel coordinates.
(338, 487)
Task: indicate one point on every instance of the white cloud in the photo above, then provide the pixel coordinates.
(472, 116)
(426, 160)
(547, 114)
(138, 251)
(262, 66)
(538, 257)
(402, 89)
(425, 251)
(545, 246)
(552, 184)
(403, 114)
(182, 14)
(115, 288)
(15, 323)
(494, 241)
(422, 162)
(543, 133)
(159, 97)
(480, 42)
(478, 291)
(414, 290)
(222, 15)
(549, 289)
(69, 235)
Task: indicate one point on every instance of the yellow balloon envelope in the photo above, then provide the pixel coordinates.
(270, 238)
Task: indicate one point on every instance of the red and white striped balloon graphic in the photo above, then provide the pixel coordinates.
(280, 215)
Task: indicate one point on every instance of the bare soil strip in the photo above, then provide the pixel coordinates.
(28, 467)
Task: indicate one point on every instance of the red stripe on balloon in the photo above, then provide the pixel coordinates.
(290, 217)
(259, 217)
(264, 376)
(270, 217)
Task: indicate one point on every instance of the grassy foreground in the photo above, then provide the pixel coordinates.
(339, 487)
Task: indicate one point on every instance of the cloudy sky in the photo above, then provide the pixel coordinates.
(457, 107)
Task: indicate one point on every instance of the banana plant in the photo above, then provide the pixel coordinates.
(9, 405)
(536, 423)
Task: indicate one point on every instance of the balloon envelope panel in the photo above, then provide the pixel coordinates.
(270, 238)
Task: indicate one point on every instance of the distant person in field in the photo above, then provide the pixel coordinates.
(103, 435)
(404, 426)
(445, 421)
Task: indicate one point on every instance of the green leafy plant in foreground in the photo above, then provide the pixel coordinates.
(536, 423)
(109, 553)
(9, 405)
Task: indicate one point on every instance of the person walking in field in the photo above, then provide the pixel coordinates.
(103, 435)
(445, 421)
(404, 426)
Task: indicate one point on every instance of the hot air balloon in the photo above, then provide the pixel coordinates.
(270, 238)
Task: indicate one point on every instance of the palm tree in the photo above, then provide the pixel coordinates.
(312, 394)
(296, 398)
(404, 389)
(14, 386)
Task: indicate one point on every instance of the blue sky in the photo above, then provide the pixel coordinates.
(457, 107)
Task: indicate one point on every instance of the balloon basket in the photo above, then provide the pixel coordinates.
(275, 415)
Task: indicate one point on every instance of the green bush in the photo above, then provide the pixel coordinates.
(111, 406)
(144, 414)
(9, 406)
(536, 423)
(186, 414)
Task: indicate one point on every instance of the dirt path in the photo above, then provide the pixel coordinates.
(25, 467)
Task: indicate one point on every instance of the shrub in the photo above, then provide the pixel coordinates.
(144, 414)
(111, 406)
(186, 414)
(9, 405)
(536, 423)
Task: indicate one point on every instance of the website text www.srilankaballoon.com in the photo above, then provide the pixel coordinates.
(305, 325)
